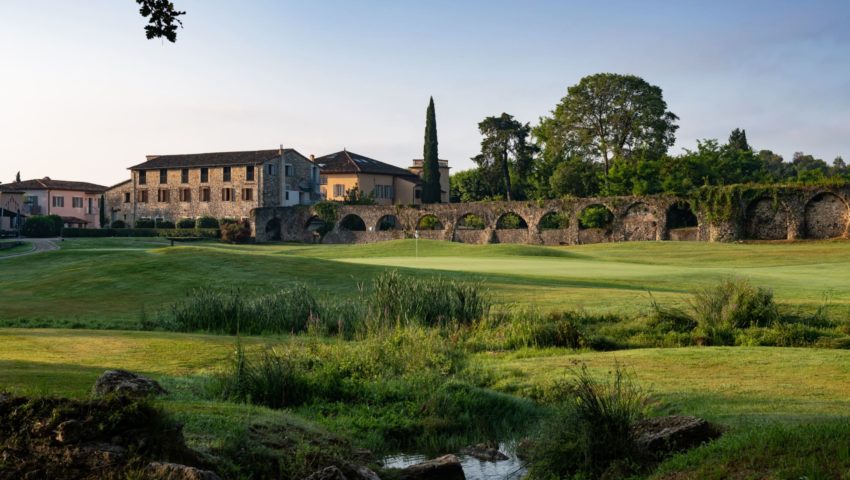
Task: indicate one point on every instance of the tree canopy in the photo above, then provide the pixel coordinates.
(431, 191)
(162, 19)
(506, 155)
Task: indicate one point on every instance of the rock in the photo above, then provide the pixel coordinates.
(127, 383)
(359, 472)
(328, 473)
(69, 431)
(660, 435)
(446, 467)
(173, 471)
(484, 452)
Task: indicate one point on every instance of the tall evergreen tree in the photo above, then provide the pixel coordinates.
(18, 177)
(738, 140)
(431, 163)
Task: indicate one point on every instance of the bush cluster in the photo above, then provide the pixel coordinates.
(42, 226)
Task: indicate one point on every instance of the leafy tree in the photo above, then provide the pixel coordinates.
(738, 140)
(809, 169)
(839, 167)
(431, 164)
(640, 177)
(355, 196)
(575, 177)
(773, 167)
(506, 156)
(162, 19)
(607, 116)
(469, 186)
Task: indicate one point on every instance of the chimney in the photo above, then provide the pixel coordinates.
(280, 150)
(312, 158)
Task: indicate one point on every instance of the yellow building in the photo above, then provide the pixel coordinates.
(386, 184)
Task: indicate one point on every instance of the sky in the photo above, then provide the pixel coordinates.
(84, 95)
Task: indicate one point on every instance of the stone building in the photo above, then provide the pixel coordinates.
(385, 183)
(219, 185)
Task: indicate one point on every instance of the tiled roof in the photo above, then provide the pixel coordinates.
(47, 184)
(349, 162)
(217, 159)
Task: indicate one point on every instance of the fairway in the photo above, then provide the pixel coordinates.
(115, 282)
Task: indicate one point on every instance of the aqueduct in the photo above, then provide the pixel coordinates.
(785, 214)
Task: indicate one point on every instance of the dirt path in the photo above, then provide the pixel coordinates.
(39, 244)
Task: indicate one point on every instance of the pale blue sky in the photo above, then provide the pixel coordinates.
(83, 94)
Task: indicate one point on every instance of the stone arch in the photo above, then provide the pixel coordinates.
(315, 224)
(553, 220)
(595, 224)
(471, 221)
(352, 222)
(766, 219)
(429, 221)
(825, 216)
(639, 223)
(273, 229)
(682, 224)
(388, 222)
(511, 221)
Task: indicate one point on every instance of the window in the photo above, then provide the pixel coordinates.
(126, 197)
(225, 172)
(272, 169)
(163, 195)
(59, 202)
(163, 175)
(205, 175)
(77, 202)
(185, 194)
(143, 196)
(31, 200)
(184, 175)
(339, 190)
(249, 173)
(227, 194)
(388, 191)
(287, 170)
(248, 194)
(205, 194)
(287, 195)
(323, 180)
(143, 177)
(418, 194)
(90, 210)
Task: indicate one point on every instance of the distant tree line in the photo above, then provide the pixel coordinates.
(610, 135)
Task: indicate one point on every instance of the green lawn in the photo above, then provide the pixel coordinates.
(113, 282)
(25, 247)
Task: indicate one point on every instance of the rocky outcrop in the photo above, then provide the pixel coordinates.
(122, 382)
(446, 467)
(348, 472)
(661, 435)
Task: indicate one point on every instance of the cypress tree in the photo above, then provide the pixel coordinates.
(431, 162)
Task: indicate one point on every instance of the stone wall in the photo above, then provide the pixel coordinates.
(804, 212)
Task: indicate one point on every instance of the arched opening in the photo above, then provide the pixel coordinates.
(639, 223)
(595, 216)
(766, 219)
(681, 222)
(315, 224)
(429, 222)
(353, 223)
(273, 229)
(554, 221)
(511, 221)
(388, 222)
(826, 216)
(470, 221)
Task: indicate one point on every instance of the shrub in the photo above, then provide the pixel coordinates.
(429, 222)
(471, 222)
(236, 231)
(118, 224)
(41, 226)
(667, 319)
(554, 221)
(144, 223)
(186, 223)
(595, 216)
(207, 222)
(432, 302)
(274, 380)
(87, 232)
(730, 305)
(511, 221)
(164, 224)
(590, 432)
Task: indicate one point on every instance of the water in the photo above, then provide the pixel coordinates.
(474, 469)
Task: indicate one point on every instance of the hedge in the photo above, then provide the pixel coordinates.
(213, 233)
(41, 226)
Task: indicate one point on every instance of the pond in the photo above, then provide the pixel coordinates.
(473, 468)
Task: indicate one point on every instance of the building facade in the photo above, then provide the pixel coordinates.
(78, 203)
(445, 188)
(387, 184)
(219, 185)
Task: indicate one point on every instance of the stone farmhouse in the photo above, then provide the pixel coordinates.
(78, 203)
(219, 185)
(387, 184)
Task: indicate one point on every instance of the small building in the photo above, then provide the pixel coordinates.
(387, 184)
(11, 206)
(445, 189)
(78, 203)
(219, 185)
